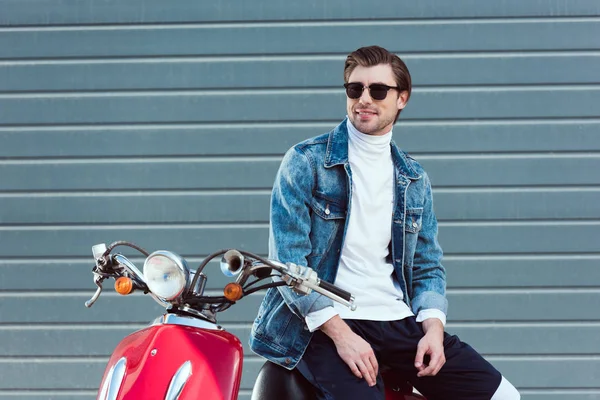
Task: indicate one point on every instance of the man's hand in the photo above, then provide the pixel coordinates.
(433, 345)
(354, 350)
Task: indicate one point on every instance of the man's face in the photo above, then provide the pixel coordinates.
(374, 117)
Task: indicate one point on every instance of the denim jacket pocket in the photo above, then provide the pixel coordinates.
(413, 220)
(328, 215)
(412, 226)
(326, 207)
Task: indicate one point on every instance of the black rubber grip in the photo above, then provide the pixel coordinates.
(335, 290)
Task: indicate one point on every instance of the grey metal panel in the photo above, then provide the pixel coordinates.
(505, 271)
(466, 305)
(191, 240)
(84, 341)
(246, 206)
(519, 237)
(140, 174)
(76, 241)
(101, 12)
(52, 374)
(259, 172)
(529, 338)
(276, 138)
(67, 275)
(290, 105)
(551, 372)
(512, 170)
(523, 271)
(290, 71)
(488, 339)
(523, 305)
(307, 37)
(516, 204)
(107, 208)
(558, 394)
(43, 308)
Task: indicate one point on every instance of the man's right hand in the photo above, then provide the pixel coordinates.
(354, 350)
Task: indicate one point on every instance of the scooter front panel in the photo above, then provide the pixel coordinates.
(156, 361)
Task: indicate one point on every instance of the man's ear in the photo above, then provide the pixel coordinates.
(402, 99)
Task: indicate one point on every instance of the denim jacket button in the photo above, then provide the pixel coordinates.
(288, 361)
(327, 212)
(415, 224)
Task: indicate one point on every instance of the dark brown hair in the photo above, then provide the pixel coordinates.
(374, 55)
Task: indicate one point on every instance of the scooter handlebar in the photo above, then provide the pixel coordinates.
(336, 290)
(304, 279)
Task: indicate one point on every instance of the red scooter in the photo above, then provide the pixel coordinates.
(184, 354)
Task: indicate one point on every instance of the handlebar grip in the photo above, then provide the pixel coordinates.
(335, 290)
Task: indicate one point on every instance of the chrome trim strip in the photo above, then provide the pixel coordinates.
(132, 269)
(137, 274)
(179, 380)
(102, 395)
(172, 319)
(114, 379)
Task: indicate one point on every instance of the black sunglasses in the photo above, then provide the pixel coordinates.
(378, 91)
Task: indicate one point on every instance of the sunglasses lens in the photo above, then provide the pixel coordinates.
(354, 90)
(378, 92)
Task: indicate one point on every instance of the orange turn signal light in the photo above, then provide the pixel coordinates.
(123, 285)
(233, 291)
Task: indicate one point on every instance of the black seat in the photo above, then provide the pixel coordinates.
(277, 383)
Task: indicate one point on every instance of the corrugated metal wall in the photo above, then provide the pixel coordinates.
(164, 123)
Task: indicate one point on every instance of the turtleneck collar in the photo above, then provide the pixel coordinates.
(369, 143)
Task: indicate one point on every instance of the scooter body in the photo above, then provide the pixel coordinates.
(175, 358)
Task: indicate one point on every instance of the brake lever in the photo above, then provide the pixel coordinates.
(98, 279)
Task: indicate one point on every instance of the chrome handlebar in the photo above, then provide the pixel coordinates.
(303, 280)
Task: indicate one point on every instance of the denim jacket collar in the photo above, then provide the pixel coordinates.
(337, 152)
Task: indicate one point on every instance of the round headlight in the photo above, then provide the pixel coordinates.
(166, 274)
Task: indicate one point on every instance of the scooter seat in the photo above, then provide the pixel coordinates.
(277, 383)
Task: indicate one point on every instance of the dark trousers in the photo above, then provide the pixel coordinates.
(464, 376)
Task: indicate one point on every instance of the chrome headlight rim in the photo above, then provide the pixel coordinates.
(182, 267)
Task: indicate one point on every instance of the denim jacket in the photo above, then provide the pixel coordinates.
(310, 203)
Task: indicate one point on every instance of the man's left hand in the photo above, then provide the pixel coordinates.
(431, 344)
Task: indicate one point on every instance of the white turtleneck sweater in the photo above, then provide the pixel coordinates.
(363, 268)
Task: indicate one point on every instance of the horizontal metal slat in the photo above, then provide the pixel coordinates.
(272, 138)
(290, 105)
(40, 12)
(259, 173)
(546, 305)
(239, 207)
(476, 239)
(312, 37)
(278, 72)
(462, 272)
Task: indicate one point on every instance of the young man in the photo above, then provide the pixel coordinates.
(353, 207)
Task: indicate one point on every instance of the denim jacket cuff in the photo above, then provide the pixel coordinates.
(304, 305)
(428, 300)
